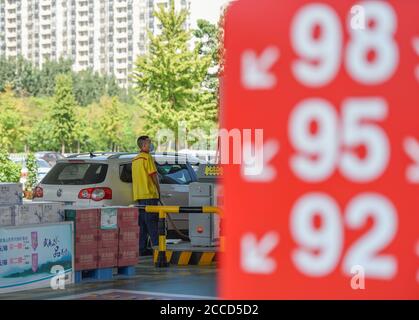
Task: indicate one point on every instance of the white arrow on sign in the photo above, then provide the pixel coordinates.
(255, 71)
(257, 168)
(411, 147)
(255, 254)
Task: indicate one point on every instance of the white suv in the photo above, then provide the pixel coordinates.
(104, 179)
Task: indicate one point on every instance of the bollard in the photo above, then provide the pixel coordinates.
(161, 258)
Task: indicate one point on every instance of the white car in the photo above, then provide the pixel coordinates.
(105, 179)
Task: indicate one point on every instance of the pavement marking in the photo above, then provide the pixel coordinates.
(113, 293)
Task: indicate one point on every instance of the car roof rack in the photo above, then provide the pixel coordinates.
(90, 154)
(120, 154)
(117, 155)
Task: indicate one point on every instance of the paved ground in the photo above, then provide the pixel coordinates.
(189, 282)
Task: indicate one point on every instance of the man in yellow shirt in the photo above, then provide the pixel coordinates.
(146, 191)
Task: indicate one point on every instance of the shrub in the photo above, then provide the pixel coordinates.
(9, 171)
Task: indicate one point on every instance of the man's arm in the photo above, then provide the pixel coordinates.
(155, 179)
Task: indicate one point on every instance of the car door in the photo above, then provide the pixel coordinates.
(174, 187)
(174, 183)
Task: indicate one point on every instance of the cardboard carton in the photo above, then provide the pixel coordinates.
(6, 216)
(11, 194)
(28, 213)
(85, 260)
(84, 219)
(127, 217)
(128, 256)
(129, 236)
(107, 257)
(53, 212)
(86, 240)
(108, 239)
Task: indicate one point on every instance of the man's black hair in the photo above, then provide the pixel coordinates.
(140, 141)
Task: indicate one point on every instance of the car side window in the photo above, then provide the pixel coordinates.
(168, 173)
(125, 172)
(174, 173)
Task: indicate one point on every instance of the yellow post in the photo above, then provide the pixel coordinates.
(161, 258)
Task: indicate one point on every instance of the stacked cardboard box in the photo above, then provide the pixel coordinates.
(86, 222)
(52, 212)
(16, 212)
(108, 239)
(28, 213)
(105, 237)
(6, 216)
(10, 195)
(129, 237)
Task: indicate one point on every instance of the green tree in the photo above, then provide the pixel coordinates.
(9, 171)
(207, 36)
(32, 167)
(90, 87)
(11, 126)
(7, 72)
(170, 77)
(49, 72)
(62, 115)
(40, 125)
(112, 122)
(42, 136)
(27, 80)
(82, 131)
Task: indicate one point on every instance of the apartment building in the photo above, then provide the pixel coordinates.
(104, 35)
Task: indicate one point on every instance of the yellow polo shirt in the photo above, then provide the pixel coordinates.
(143, 167)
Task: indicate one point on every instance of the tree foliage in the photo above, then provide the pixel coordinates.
(32, 167)
(63, 116)
(9, 171)
(207, 35)
(11, 131)
(170, 78)
(27, 79)
(54, 108)
(112, 122)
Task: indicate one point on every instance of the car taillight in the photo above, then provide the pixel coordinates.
(96, 194)
(38, 192)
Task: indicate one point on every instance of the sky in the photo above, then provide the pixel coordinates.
(206, 9)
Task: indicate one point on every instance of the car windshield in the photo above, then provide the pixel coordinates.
(67, 173)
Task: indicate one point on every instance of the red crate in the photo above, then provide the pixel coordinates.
(107, 257)
(129, 237)
(128, 256)
(108, 239)
(85, 260)
(127, 217)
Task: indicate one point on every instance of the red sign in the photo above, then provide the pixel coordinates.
(328, 205)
